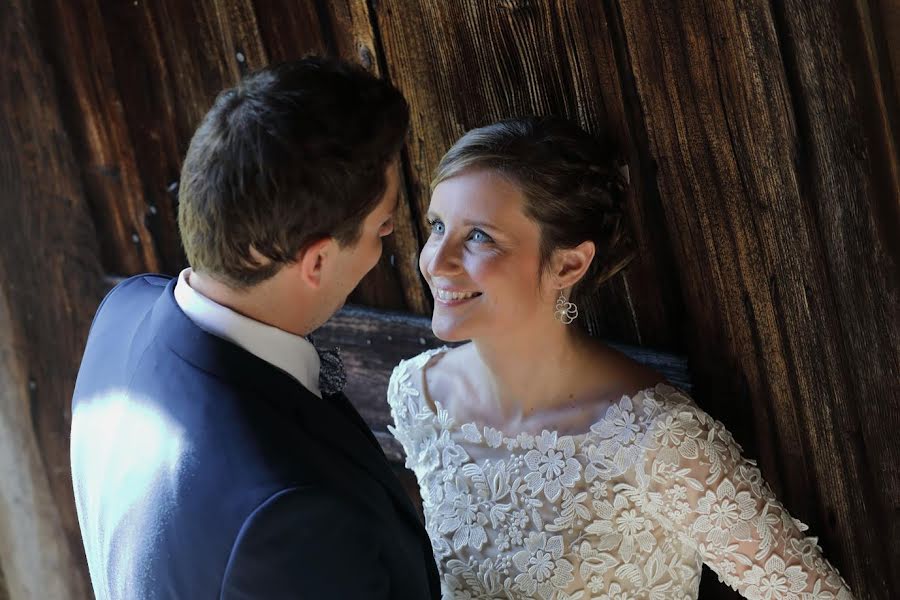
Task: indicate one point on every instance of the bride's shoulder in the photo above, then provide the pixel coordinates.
(445, 370)
(417, 371)
(619, 372)
(422, 361)
(438, 371)
(626, 382)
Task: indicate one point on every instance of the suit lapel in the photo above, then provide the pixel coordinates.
(343, 404)
(336, 425)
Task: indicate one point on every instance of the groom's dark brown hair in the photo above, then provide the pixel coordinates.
(292, 154)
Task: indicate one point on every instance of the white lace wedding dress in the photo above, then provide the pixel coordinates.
(630, 509)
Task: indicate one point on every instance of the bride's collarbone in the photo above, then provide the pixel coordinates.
(467, 396)
(468, 402)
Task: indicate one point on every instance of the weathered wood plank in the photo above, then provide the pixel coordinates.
(466, 64)
(883, 23)
(853, 222)
(290, 30)
(74, 39)
(764, 162)
(49, 287)
(373, 342)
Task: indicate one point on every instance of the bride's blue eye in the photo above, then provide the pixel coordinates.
(480, 237)
(436, 226)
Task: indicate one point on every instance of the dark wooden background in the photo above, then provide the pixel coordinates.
(762, 143)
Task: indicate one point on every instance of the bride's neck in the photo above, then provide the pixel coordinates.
(534, 370)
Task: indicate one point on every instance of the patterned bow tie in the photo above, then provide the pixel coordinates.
(332, 377)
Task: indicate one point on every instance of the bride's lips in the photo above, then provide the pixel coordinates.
(447, 297)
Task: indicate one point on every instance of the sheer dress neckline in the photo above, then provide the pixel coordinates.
(472, 430)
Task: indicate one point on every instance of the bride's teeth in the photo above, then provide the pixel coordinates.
(445, 295)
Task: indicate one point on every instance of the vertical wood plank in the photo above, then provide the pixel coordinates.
(49, 286)
(291, 30)
(882, 19)
(395, 282)
(763, 164)
(127, 111)
(74, 39)
(852, 174)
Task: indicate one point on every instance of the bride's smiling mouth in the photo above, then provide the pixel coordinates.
(453, 298)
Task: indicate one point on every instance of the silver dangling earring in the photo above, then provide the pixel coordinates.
(566, 311)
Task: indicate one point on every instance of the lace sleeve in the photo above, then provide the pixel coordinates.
(704, 491)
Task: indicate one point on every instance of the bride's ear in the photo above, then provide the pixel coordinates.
(312, 261)
(568, 265)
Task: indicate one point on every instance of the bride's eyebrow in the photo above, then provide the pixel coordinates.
(432, 215)
(483, 224)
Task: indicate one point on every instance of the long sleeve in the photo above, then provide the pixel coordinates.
(701, 489)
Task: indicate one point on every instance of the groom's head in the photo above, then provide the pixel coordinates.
(291, 181)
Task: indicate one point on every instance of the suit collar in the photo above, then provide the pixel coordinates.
(338, 429)
(287, 351)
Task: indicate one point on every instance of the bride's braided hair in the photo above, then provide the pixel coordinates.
(574, 188)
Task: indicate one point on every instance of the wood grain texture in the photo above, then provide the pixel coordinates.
(883, 23)
(467, 64)
(74, 37)
(49, 288)
(767, 170)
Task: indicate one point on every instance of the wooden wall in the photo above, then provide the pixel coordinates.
(762, 144)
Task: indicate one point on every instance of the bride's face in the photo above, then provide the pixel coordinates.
(482, 258)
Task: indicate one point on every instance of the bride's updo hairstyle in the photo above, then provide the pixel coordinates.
(572, 185)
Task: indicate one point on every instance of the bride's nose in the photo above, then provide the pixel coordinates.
(442, 258)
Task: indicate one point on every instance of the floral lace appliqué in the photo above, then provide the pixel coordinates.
(630, 509)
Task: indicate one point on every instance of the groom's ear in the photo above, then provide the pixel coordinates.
(312, 260)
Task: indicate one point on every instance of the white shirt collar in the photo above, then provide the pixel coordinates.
(289, 352)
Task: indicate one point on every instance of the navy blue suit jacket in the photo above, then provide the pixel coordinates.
(201, 471)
